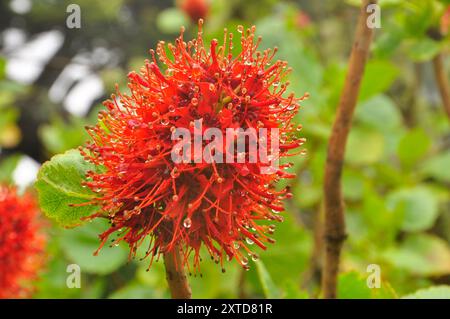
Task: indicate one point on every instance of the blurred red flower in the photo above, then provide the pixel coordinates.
(22, 243)
(228, 207)
(445, 21)
(302, 19)
(195, 9)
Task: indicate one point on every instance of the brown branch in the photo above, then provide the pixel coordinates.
(334, 209)
(313, 274)
(176, 275)
(442, 81)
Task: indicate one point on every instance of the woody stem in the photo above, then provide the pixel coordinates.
(176, 275)
(442, 81)
(334, 227)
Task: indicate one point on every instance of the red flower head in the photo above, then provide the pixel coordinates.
(227, 207)
(21, 243)
(195, 9)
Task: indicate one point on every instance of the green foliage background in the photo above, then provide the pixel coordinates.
(397, 170)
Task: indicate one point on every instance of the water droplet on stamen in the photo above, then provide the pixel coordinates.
(175, 173)
(271, 229)
(187, 223)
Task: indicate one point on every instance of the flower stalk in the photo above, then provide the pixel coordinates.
(176, 275)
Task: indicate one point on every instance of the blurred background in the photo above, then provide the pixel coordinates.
(397, 171)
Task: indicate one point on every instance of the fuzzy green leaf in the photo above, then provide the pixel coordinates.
(59, 186)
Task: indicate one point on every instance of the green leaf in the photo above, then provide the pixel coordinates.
(59, 186)
(418, 205)
(155, 278)
(2, 68)
(7, 167)
(170, 20)
(413, 146)
(422, 255)
(9, 116)
(133, 291)
(292, 49)
(364, 146)
(438, 167)
(384, 292)
(353, 184)
(291, 290)
(379, 220)
(388, 42)
(79, 244)
(59, 136)
(294, 255)
(213, 283)
(270, 290)
(424, 49)
(379, 112)
(418, 17)
(334, 82)
(435, 292)
(378, 77)
(353, 286)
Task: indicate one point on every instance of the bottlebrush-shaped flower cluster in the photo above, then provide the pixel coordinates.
(22, 243)
(228, 207)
